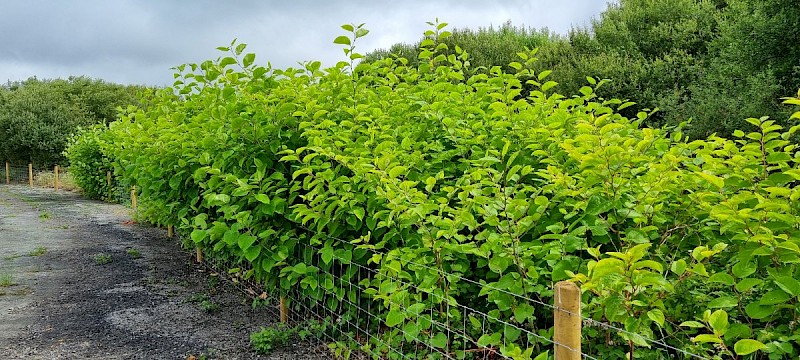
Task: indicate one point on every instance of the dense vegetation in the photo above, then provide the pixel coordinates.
(457, 186)
(717, 62)
(37, 117)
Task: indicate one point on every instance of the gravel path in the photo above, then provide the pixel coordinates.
(149, 301)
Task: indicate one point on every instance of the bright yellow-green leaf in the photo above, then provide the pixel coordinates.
(748, 346)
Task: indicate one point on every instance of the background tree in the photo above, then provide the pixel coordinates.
(715, 62)
(38, 116)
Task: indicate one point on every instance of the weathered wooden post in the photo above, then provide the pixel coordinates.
(108, 181)
(284, 310)
(30, 175)
(567, 331)
(8, 173)
(170, 231)
(133, 198)
(55, 180)
(198, 254)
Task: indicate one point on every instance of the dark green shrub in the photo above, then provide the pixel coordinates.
(89, 164)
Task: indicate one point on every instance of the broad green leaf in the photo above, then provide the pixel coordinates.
(416, 309)
(231, 237)
(395, 317)
(748, 346)
(713, 179)
(737, 331)
(411, 330)
(743, 269)
(718, 321)
(707, 338)
(327, 254)
(198, 236)
(657, 316)
(678, 266)
(543, 356)
(692, 324)
(523, 312)
(608, 267)
(758, 311)
(252, 253)
(439, 340)
(778, 157)
(359, 213)
(396, 171)
(723, 302)
(774, 297)
(263, 198)
(596, 205)
(721, 278)
(245, 241)
(248, 59)
(788, 284)
(544, 74)
(747, 284)
(342, 40)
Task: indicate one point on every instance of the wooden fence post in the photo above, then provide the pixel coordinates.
(133, 198)
(55, 171)
(284, 311)
(8, 173)
(567, 331)
(30, 175)
(170, 231)
(199, 254)
(108, 181)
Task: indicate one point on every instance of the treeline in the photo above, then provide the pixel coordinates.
(37, 117)
(715, 62)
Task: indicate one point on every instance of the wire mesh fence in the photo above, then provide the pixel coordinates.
(117, 191)
(51, 177)
(450, 330)
(340, 295)
(14, 174)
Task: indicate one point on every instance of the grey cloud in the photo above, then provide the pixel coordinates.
(138, 41)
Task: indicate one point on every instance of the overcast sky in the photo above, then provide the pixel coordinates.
(138, 41)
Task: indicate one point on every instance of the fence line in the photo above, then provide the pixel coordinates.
(469, 344)
(383, 255)
(29, 175)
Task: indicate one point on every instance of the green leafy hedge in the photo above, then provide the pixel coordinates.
(89, 163)
(456, 191)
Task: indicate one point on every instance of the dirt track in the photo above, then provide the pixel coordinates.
(58, 301)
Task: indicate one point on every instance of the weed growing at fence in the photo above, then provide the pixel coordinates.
(270, 338)
(281, 335)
